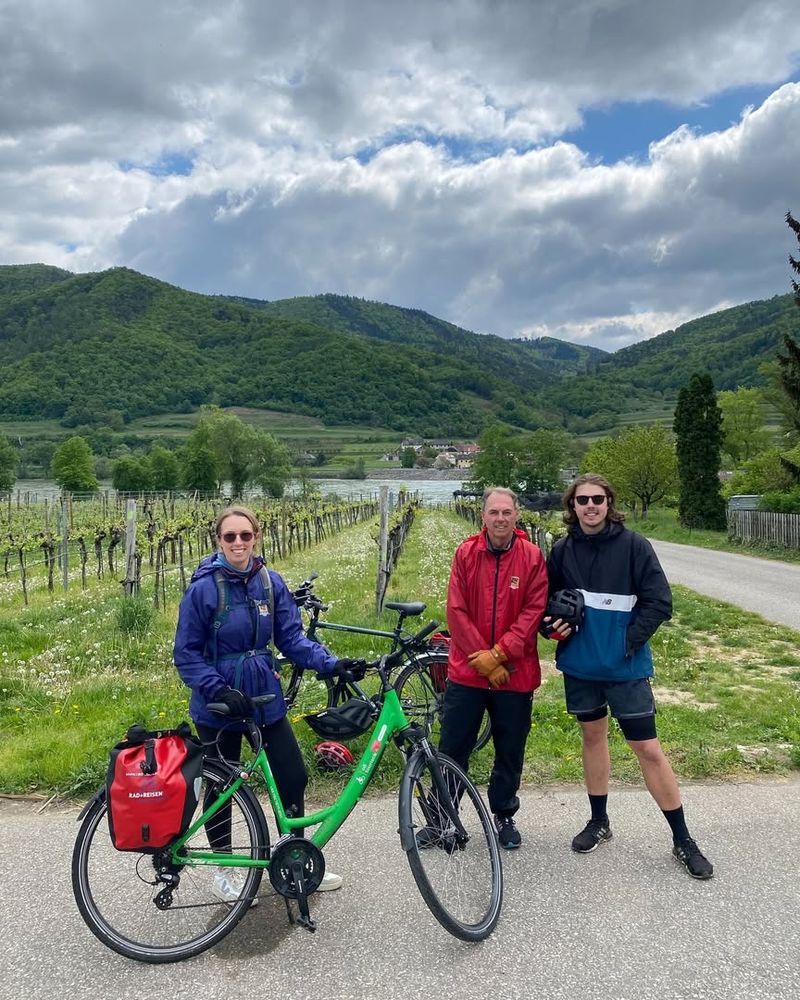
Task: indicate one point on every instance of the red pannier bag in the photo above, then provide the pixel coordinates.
(152, 786)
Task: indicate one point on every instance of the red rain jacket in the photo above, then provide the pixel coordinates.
(496, 598)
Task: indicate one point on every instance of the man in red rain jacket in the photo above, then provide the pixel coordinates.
(495, 602)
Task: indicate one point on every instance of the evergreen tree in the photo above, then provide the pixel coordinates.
(72, 466)
(788, 373)
(698, 429)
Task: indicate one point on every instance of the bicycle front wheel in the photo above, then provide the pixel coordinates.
(449, 838)
(123, 900)
(420, 688)
(305, 693)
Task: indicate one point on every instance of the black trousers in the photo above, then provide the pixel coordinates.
(285, 759)
(510, 713)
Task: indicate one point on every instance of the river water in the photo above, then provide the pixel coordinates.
(429, 490)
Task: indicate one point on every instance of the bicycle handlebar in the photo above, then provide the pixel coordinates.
(218, 708)
(392, 659)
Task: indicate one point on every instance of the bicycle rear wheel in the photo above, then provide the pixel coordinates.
(116, 891)
(456, 865)
(420, 688)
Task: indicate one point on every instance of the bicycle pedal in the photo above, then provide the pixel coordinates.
(306, 923)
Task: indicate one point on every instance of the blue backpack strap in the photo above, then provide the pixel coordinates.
(267, 584)
(223, 607)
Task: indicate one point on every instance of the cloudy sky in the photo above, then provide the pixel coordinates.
(596, 170)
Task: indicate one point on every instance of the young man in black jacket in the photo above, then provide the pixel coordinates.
(607, 662)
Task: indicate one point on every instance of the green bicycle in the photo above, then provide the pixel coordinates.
(161, 907)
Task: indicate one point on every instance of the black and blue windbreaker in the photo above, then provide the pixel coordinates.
(241, 656)
(627, 597)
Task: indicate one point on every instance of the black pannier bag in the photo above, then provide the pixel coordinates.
(152, 787)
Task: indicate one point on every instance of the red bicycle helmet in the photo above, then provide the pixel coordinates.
(332, 756)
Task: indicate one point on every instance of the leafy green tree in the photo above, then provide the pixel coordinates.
(199, 465)
(767, 472)
(357, 470)
(641, 464)
(270, 465)
(233, 442)
(131, 475)
(72, 466)
(164, 468)
(8, 465)
(540, 456)
(698, 429)
(743, 420)
(496, 462)
(408, 456)
(243, 455)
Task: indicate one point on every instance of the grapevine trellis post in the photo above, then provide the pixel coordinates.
(64, 543)
(130, 583)
(383, 535)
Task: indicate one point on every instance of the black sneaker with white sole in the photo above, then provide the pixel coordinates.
(594, 833)
(692, 858)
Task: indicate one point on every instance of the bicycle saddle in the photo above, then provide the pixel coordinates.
(412, 608)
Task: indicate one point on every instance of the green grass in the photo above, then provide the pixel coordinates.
(76, 670)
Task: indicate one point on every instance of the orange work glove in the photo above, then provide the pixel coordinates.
(489, 664)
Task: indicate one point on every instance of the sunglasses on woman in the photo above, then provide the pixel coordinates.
(231, 536)
(596, 498)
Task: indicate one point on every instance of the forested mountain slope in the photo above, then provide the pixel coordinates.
(75, 347)
(730, 345)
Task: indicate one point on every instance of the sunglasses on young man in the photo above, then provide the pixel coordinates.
(231, 536)
(596, 498)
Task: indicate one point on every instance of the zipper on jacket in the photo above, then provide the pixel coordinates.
(497, 557)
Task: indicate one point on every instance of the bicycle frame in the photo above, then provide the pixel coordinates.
(397, 636)
(391, 721)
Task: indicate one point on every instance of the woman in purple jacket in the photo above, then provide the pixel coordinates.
(231, 614)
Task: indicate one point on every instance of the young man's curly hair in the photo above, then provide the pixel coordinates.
(590, 479)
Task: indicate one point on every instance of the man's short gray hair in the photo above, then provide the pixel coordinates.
(512, 496)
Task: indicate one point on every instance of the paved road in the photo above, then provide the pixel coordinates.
(766, 586)
(651, 932)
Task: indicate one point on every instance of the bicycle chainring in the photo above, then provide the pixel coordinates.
(285, 855)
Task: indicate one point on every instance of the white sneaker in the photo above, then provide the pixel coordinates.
(330, 881)
(228, 885)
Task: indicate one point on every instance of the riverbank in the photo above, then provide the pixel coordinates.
(412, 475)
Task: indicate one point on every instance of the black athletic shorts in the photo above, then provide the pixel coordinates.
(631, 703)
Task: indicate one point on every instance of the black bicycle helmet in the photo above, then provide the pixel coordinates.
(344, 722)
(567, 605)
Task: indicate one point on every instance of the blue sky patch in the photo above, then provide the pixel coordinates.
(167, 165)
(625, 130)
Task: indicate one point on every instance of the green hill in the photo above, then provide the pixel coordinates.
(730, 345)
(77, 348)
(379, 321)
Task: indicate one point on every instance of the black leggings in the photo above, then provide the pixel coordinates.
(284, 758)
